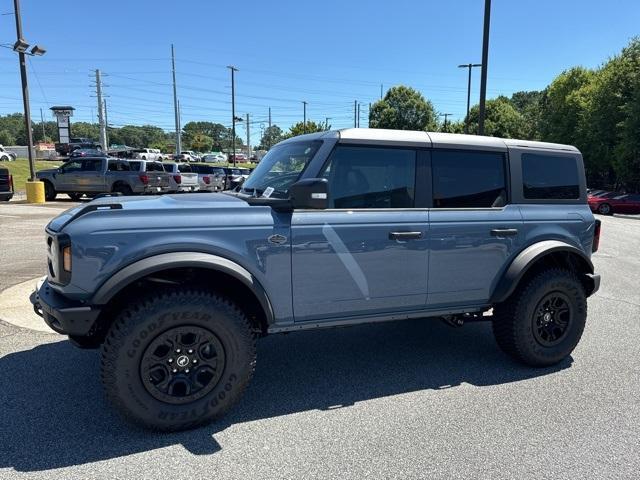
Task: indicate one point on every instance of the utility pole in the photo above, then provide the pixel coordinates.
(380, 91)
(358, 115)
(369, 116)
(248, 137)
(25, 92)
(233, 112)
(485, 62)
(106, 124)
(175, 103)
(355, 113)
(445, 115)
(304, 116)
(269, 136)
(103, 130)
(42, 123)
(180, 125)
(468, 66)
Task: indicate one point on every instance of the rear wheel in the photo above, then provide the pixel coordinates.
(542, 322)
(176, 360)
(49, 191)
(604, 209)
(122, 188)
(75, 196)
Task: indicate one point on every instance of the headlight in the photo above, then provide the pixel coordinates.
(66, 258)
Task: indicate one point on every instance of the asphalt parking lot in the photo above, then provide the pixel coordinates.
(414, 399)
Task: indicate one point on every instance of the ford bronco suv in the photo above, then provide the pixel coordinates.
(331, 229)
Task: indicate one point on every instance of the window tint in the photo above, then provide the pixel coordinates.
(116, 166)
(154, 167)
(549, 177)
(73, 166)
(134, 166)
(371, 177)
(94, 165)
(184, 168)
(468, 179)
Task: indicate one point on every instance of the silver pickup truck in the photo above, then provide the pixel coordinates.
(94, 175)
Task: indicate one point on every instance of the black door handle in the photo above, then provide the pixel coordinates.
(504, 232)
(405, 235)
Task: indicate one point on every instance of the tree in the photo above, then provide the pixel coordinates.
(6, 138)
(219, 134)
(201, 142)
(270, 137)
(501, 119)
(300, 128)
(528, 104)
(85, 130)
(403, 108)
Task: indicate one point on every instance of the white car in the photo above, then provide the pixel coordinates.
(7, 156)
(149, 154)
(216, 157)
(190, 156)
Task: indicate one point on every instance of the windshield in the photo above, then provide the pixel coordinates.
(280, 168)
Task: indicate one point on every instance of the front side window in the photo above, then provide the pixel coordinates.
(280, 168)
(468, 179)
(547, 177)
(371, 177)
(73, 166)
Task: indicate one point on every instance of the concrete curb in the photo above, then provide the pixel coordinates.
(630, 217)
(16, 309)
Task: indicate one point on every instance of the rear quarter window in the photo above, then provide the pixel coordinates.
(550, 177)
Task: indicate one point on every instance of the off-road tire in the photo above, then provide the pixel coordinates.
(514, 321)
(140, 324)
(122, 188)
(50, 193)
(605, 209)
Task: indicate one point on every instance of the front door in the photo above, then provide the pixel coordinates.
(474, 231)
(66, 176)
(367, 254)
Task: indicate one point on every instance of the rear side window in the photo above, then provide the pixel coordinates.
(154, 167)
(547, 177)
(116, 166)
(371, 177)
(91, 165)
(184, 168)
(467, 179)
(134, 166)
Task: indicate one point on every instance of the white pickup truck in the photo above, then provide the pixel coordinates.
(149, 154)
(6, 155)
(181, 177)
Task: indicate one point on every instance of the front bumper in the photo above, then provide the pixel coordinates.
(62, 315)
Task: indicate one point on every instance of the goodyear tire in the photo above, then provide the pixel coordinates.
(542, 322)
(178, 359)
(50, 193)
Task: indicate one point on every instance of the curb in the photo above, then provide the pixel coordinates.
(16, 309)
(630, 217)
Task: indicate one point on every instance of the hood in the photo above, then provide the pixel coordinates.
(183, 203)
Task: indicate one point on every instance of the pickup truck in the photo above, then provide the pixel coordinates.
(95, 175)
(64, 149)
(181, 177)
(148, 154)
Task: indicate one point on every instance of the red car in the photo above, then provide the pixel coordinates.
(619, 204)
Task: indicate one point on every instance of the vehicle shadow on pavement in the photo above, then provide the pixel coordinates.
(54, 414)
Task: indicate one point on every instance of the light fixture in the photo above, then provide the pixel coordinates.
(20, 46)
(38, 50)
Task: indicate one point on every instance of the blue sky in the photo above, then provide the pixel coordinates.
(327, 53)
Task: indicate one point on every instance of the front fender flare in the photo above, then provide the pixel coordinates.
(165, 261)
(527, 258)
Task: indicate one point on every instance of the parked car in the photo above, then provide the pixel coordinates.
(6, 185)
(94, 175)
(210, 178)
(606, 194)
(233, 178)
(148, 154)
(6, 155)
(64, 149)
(87, 152)
(239, 158)
(332, 229)
(181, 177)
(189, 156)
(157, 179)
(215, 157)
(620, 204)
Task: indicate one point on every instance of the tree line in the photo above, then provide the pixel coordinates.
(597, 110)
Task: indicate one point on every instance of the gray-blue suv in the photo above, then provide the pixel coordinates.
(331, 229)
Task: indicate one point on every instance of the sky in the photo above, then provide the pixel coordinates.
(327, 53)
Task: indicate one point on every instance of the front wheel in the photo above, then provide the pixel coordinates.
(177, 360)
(49, 192)
(542, 322)
(604, 209)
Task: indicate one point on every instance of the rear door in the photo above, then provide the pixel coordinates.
(367, 254)
(474, 230)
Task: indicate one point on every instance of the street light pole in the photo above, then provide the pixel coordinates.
(304, 117)
(25, 92)
(468, 66)
(485, 62)
(233, 112)
(175, 103)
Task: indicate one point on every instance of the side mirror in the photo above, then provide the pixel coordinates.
(310, 193)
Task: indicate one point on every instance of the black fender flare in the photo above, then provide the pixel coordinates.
(527, 258)
(165, 261)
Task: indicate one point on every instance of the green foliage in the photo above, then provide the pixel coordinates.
(300, 128)
(85, 130)
(6, 138)
(529, 105)
(270, 137)
(403, 108)
(218, 137)
(501, 119)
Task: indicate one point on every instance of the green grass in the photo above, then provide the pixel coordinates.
(20, 170)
